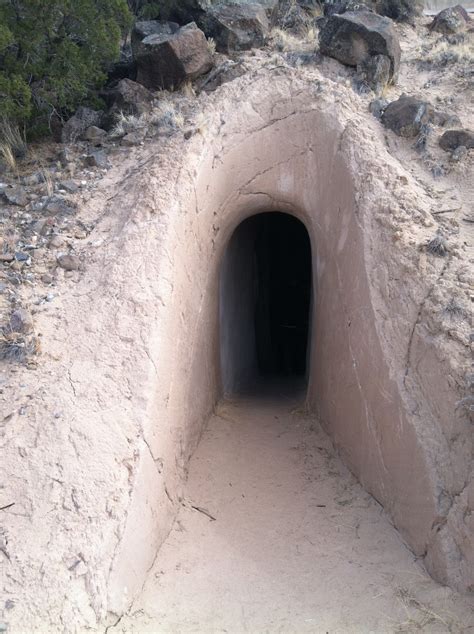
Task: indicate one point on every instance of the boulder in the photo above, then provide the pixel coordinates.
(452, 139)
(400, 10)
(129, 97)
(145, 28)
(75, 127)
(236, 26)
(450, 21)
(406, 116)
(353, 37)
(166, 61)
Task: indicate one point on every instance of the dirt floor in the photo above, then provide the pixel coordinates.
(275, 535)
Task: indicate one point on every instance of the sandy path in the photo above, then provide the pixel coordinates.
(296, 544)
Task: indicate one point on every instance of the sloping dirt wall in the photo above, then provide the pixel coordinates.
(139, 344)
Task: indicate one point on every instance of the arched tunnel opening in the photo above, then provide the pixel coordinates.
(265, 304)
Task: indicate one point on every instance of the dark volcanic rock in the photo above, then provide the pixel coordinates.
(406, 116)
(75, 127)
(166, 61)
(129, 97)
(400, 10)
(452, 139)
(353, 37)
(144, 29)
(450, 21)
(236, 26)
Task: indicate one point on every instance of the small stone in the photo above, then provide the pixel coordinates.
(21, 257)
(66, 157)
(47, 278)
(95, 135)
(16, 266)
(377, 107)
(69, 262)
(459, 154)
(58, 205)
(3, 627)
(80, 235)
(33, 179)
(16, 196)
(49, 297)
(132, 138)
(97, 158)
(21, 321)
(75, 127)
(56, 242)
(7, 257)
(69, 185)
(9, 604)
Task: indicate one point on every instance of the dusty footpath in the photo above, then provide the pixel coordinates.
(275, 535)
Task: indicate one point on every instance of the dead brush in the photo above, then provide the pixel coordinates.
(164, 115)
(285, 42)
(438, 246)
(420, 616)
(12, 143)
(453, 310)
(16, 348)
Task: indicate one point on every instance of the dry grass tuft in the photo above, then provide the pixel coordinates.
(12, 144)
(420, 616)
(286, 42)
(165, 116)
(17, 348)
(444, 53)
(438, 246)
(211, 45)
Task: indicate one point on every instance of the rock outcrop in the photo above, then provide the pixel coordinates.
(353, 37)
(166, 61)
(236, 26)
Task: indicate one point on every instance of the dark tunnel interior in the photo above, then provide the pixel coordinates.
(265, 301)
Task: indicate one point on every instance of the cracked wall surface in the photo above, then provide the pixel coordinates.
(134, 383)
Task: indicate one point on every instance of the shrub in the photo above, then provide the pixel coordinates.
(54, 54)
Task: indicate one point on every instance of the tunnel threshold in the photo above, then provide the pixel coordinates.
(274, 534)
(265, 303)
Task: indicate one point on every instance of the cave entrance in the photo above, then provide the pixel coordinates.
(265, 303)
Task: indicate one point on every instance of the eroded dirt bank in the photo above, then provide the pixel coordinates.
(98, 437)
